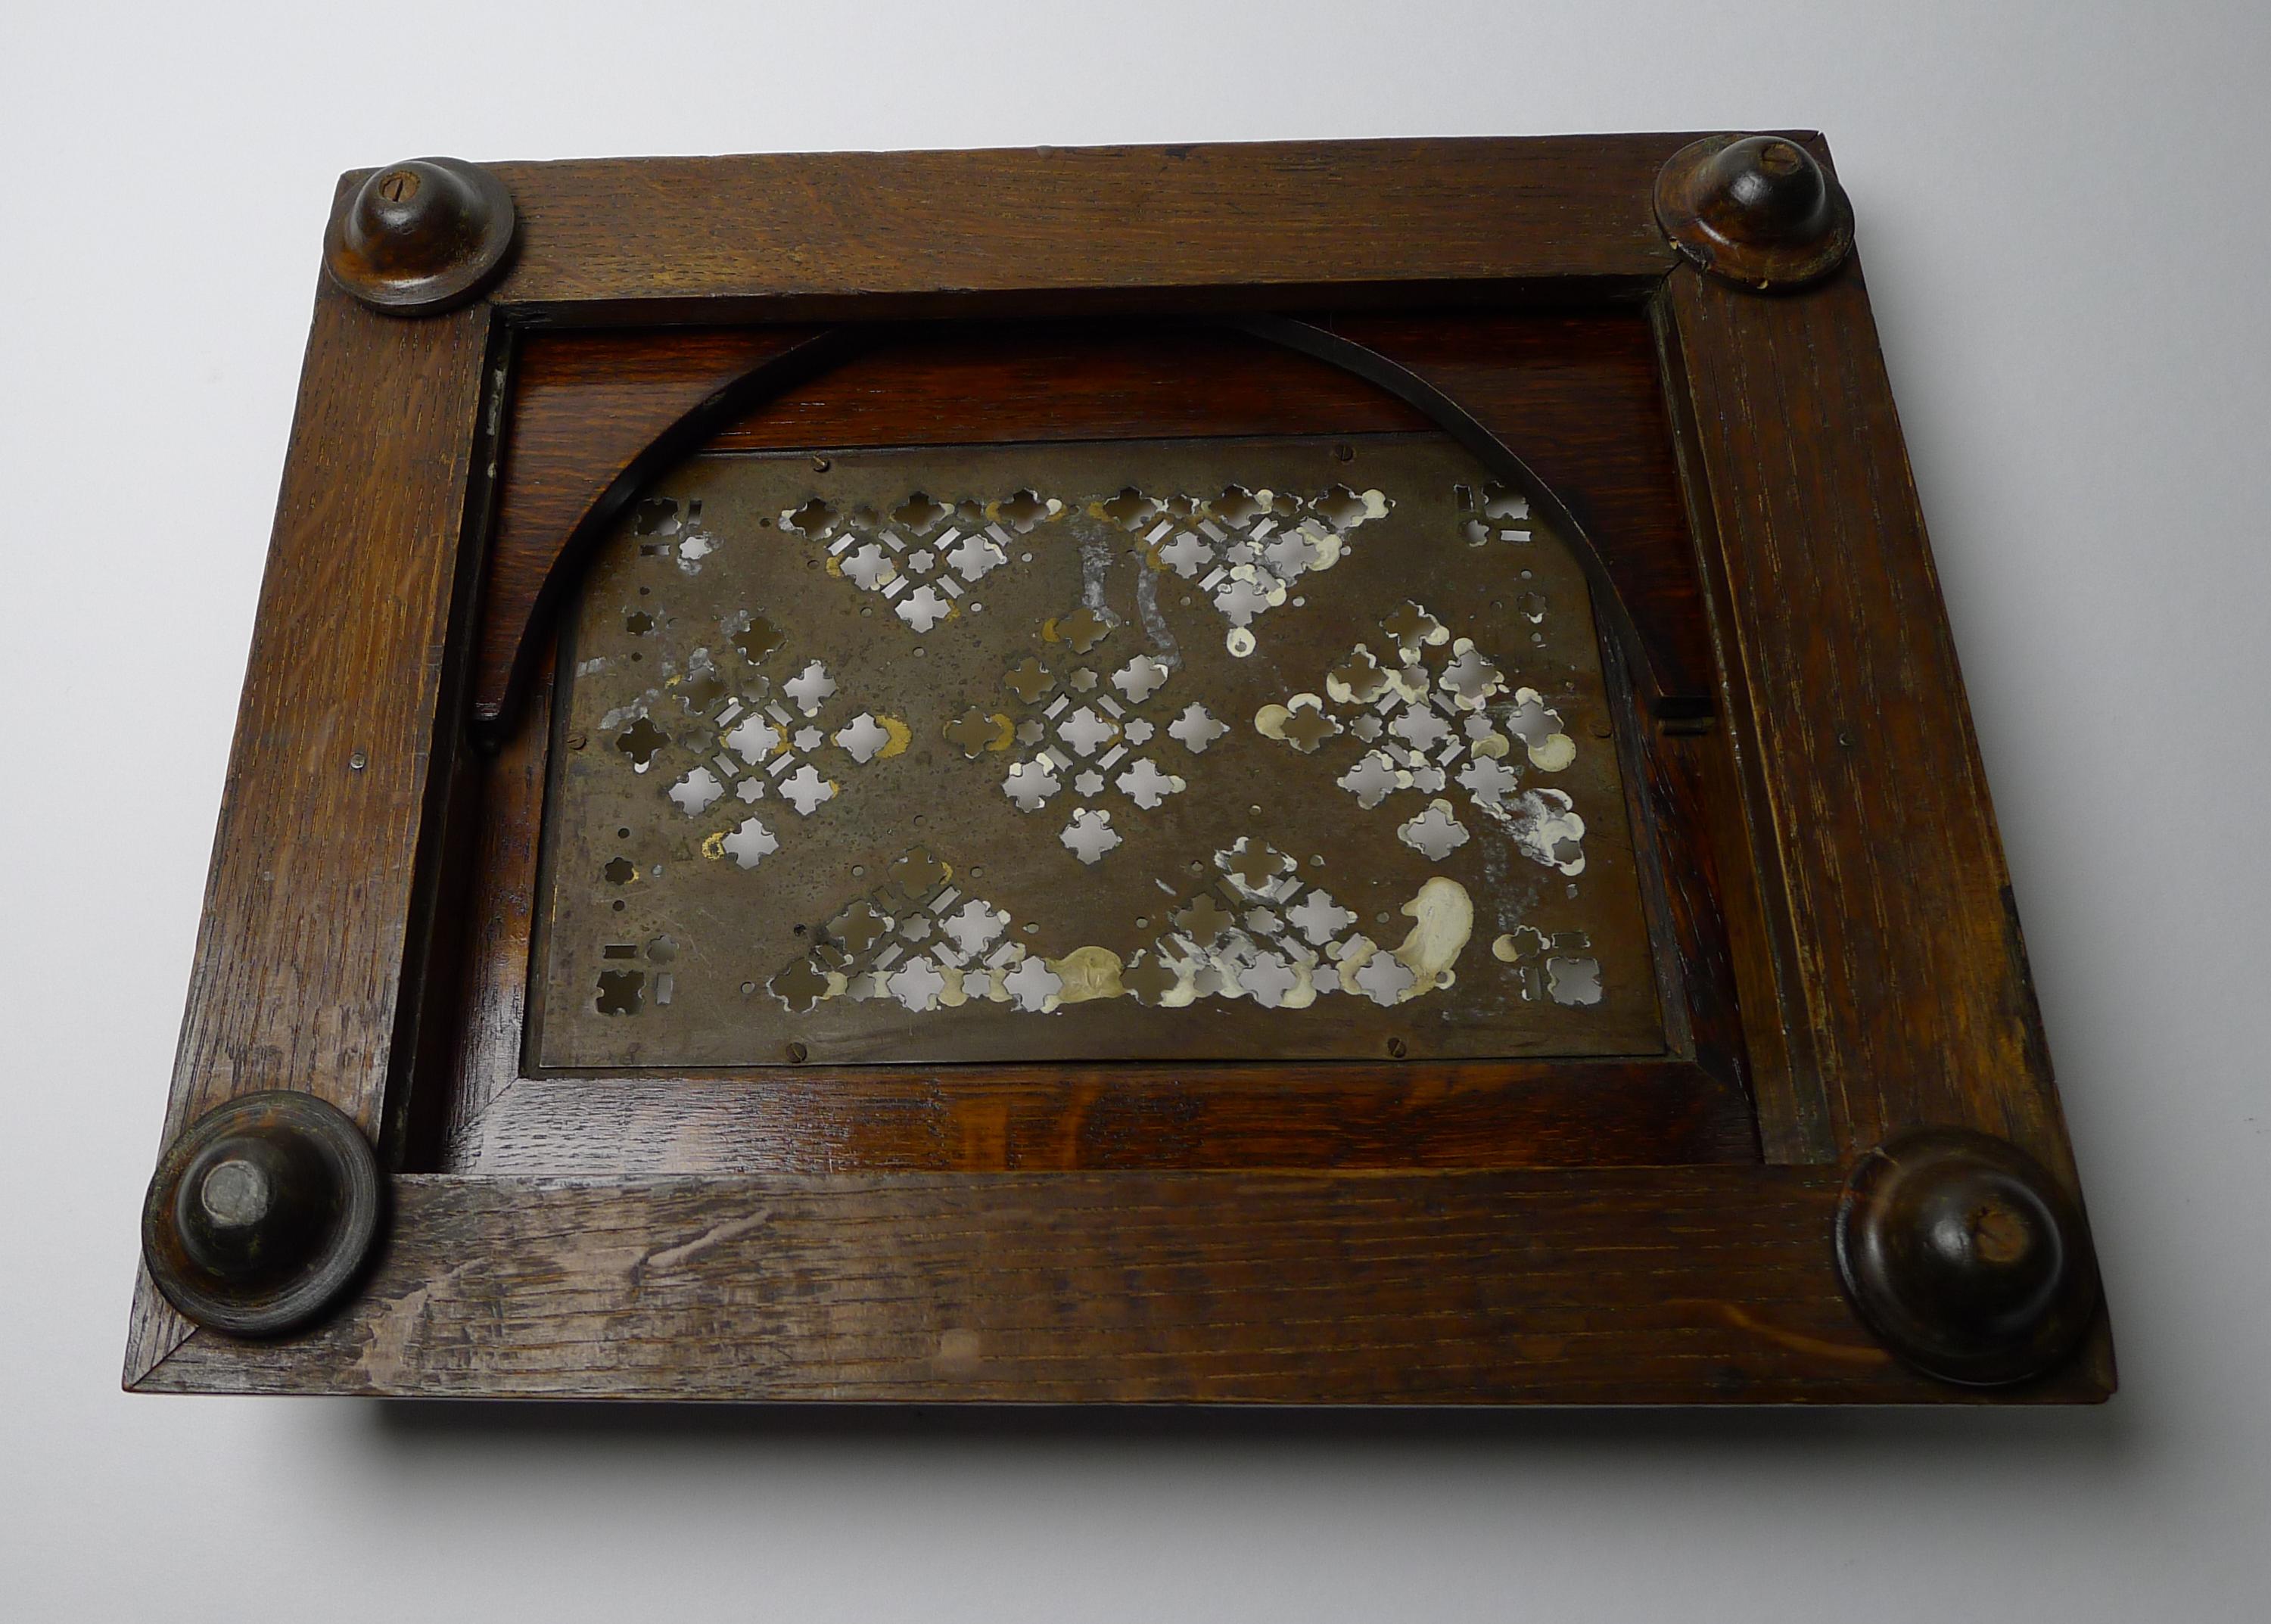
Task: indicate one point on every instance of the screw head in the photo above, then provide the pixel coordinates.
(1965, 1256)
(1758, 210)
(420, 236)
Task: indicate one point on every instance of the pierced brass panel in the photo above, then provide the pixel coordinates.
(1220, 748)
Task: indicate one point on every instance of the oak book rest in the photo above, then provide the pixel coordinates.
(1324, 774)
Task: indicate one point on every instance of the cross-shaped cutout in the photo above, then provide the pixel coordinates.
(1384, 978)
(640, 740)
(749, 843)
(807, 789)
(918, 513)
(859, 928)
(1370, 780)
(863, 738)
(974, 556)
(697, 790)
(1090, 835)
(1083, 628)
(1023, 511)
(1140, 678)
(1306, 726)
(1255, 864)
(1032, 984)
(1420, 728)
(758, 639)
(799, 986)
(1413, 627)
(1204, 919)
(814, 518)
(1240, 600)
(975, 927)
(1030, 784)
(1237, 507)
(1470, 677)
(924, 609)
(1488, 779)
(1149, 978)
(1291, 554)
(1146, 786)
(975, 732)
(1268, 978)
(1130, 509)
(1356, 677)
(1086, 732)
(917, 984)
(1195, 728)
(1320, 918)
(1029, 681)
(916, 873)
(810, 687)
(869, 568)
(1343, 508)
(1434, 832)
(1186, 554)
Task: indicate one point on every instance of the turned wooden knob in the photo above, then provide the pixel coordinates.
(1963, 1255)
(420, 236)
(260, 1214)
(1758, 210)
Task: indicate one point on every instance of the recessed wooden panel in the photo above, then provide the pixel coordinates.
(1670, 1087)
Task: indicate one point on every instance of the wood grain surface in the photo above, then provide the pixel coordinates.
(300, 955)
(1636, 1286)
(1043, 231)
(306, 931)
(1906, 992)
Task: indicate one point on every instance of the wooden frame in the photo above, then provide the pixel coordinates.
(1884, 933)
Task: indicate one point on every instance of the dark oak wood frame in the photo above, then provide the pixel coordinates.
(1885, 941)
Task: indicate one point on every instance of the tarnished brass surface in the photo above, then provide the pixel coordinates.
(1220, 748)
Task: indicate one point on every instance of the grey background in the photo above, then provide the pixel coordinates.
(2062, 211)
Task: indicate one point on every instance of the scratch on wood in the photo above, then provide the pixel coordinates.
(716, 1235)
(1797, 1342)
(386, 1360)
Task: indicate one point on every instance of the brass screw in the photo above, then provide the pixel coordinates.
(796, 1054)
(1396, 1049)
(398, 186)
(358, 761)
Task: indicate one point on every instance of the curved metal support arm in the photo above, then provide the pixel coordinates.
(800, 364)
(834, 348)
(1306, 339)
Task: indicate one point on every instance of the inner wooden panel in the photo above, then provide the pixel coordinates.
(1656, 1077)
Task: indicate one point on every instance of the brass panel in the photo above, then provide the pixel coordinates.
(1207, 748)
